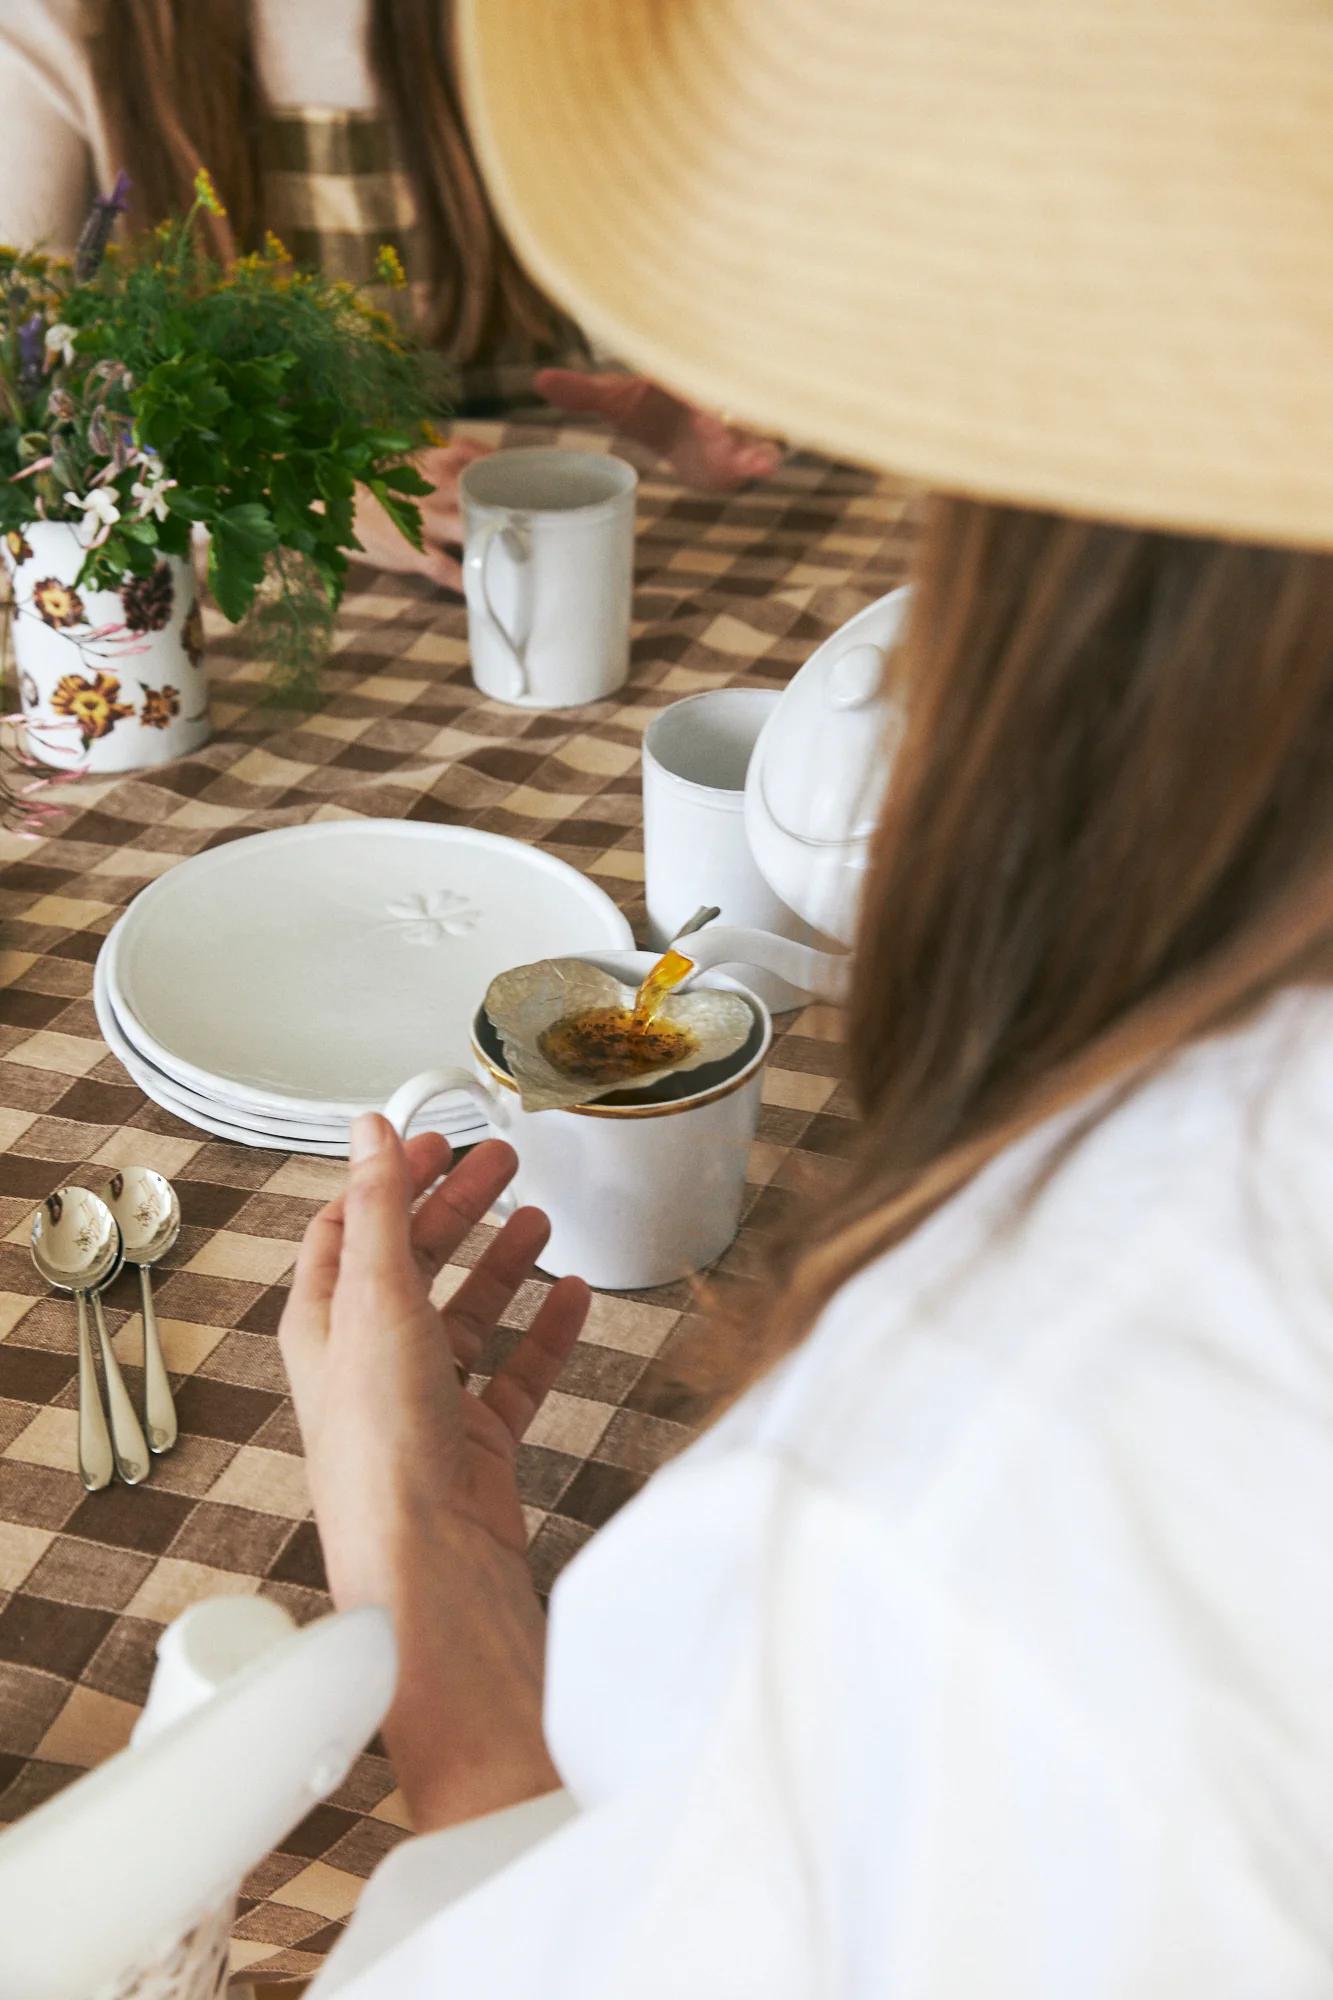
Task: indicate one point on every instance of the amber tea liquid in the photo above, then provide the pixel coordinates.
(612, 1045)
(615, 1044)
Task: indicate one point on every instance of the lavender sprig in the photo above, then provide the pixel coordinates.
(97, 229)
(31, 354)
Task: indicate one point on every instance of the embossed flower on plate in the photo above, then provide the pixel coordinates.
(435, 916)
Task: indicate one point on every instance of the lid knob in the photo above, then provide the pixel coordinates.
(856, 677)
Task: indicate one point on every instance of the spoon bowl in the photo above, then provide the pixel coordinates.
(76, 1244)
(146, 1207)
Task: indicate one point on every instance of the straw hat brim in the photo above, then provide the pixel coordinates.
(1069, 253)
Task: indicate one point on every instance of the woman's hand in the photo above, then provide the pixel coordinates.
(702, 449)
(441, 519)
(412, 1477)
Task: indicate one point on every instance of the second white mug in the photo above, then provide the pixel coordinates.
(696, 851)
(548, 572)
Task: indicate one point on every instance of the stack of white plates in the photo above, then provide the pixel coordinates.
(269, 990)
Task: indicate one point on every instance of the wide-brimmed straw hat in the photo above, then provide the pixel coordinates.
(1072, 253)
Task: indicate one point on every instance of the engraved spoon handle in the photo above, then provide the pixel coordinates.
(96, 1464)
(126, 1435)
(159, 1409)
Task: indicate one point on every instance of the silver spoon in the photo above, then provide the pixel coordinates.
(127, 1438)
(703, 915)
(145, 1206)
(75, 1246)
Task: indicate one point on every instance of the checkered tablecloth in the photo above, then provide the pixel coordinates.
(736, 590)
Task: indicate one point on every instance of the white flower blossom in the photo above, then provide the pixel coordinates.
(100, 511)
(60, 340)
(151, 495)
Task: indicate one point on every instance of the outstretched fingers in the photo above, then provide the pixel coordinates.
(517, 1390)
(317, 1261)
(377, 1253)
(485, 1295)
(458, 1204)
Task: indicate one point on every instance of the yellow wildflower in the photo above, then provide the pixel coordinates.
(275, 248)
(384, 328)
(389, 266)
(206, 194)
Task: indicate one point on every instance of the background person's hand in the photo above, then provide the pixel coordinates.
(702, 449)
(441, 519)
(411, 1476)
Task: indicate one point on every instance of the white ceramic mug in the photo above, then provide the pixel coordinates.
(548, 571)
(639, 1194)
(696, 851)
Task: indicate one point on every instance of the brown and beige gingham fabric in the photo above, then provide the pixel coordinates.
(732, 590)
(335, 189)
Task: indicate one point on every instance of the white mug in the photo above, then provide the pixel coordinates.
(696, 851)
(548, 572)
(639, 1194)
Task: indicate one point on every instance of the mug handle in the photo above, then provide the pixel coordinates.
(475, 565)
(417, 1092)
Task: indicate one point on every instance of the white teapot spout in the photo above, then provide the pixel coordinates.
(822, 975)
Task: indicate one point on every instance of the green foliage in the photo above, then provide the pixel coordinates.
(290, 628)
(251, 398)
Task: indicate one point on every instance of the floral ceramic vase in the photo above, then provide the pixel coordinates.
(108, 679)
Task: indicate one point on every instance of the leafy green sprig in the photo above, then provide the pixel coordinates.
(166, 389)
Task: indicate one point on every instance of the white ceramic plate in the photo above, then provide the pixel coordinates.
(321, 1140)
(308, 972)
(454, 1116)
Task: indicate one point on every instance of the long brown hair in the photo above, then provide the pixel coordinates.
(178, 88)
(1110, 827)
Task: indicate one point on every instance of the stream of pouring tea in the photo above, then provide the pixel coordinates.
(670, 971)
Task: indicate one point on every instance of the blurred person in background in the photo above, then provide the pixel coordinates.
(336, 124)
(982, 1650)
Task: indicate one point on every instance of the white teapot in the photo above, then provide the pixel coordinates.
(813, 793)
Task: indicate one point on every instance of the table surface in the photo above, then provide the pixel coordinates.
(730, 590)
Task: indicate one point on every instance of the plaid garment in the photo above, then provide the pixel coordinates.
(335, 189)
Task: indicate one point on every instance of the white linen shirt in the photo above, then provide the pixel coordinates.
(986, 1649)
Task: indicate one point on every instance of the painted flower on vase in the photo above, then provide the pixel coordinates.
(92, 704)
(19, 547)
(159, 707)
(192, 635)
(147, 600)
(57, 604)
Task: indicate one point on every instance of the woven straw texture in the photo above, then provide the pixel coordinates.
(1070, 252)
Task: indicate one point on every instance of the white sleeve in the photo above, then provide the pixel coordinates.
(968, 1832)
(47, 121)
(888, 1800)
